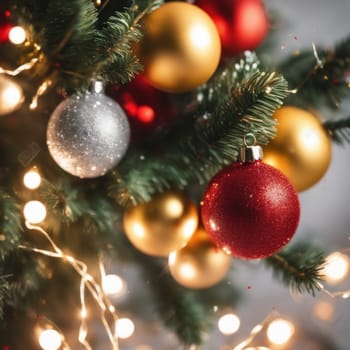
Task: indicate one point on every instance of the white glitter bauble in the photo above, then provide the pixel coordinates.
(88, 135)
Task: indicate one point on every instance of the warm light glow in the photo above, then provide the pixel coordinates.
(113, 285)
(34, 212)
(32, 179)
(173, 207)
(324, 310)
(187, 271)
(138, 229)
(11, 97)
(257, 348)
(50, 339)
(200, 36)
(17, 35)
(311, 139)
(124, 328)
(229, 324)
(336, 267)
(280, 331)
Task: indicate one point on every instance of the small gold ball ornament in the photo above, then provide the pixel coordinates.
(200, 264)
(181, 47)
(163, 225)
(301, 149)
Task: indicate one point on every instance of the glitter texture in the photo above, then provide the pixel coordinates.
(250, 210)
(88, 135)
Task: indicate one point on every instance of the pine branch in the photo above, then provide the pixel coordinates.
(299, 267)
(339, 130)
(178, 307)
(196, 153)
(75, 45)
(3, 293)
(322, 79)
(10, 224)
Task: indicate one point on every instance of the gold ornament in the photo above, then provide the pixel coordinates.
(11, 95)
(301, 149)
(200, 264)
(163, 225)
(181, 47)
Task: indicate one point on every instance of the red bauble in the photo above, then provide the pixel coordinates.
(147, 107)
(250, 210)
(242, 24)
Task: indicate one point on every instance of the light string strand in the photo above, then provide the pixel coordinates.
(87, 282)
(256, 330)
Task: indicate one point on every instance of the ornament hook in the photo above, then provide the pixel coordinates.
(249, 139)
(250, 152)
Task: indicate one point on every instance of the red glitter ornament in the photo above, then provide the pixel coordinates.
(250, 209)
(242, 24)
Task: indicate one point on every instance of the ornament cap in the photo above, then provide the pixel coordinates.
(250, 152)
(97, 86)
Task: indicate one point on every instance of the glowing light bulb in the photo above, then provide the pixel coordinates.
(336, 267)
(11, 95)
(124, 328)
(324, 310)
(229, 324)
(280, 331)
(32, 179)
(34, 212)
(50, 339)
(113, 285)
(17, 35)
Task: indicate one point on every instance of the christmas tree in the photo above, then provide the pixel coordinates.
(153, 153)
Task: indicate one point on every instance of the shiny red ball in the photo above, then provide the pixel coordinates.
(242, 24)
(250, 210)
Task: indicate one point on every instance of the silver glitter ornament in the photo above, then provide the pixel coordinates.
(88, 135)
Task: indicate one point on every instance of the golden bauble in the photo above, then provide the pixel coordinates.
(301, 149)
(11, 95)
(163, 225)
(181, 47)
(200, 264)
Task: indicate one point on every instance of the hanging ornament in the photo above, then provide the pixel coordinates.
(180, 48)
(146, 107)
(88, 135)
(200, 264)
(11, 95)
(163, 225)
(5, 26)
(242, 25)
(250, 209)
(301, 148)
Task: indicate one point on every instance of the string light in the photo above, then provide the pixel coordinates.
(124, 328)
(32, 179)
(50, 339)
(229, 324)
(34, 212)
(87, 282)
(323, 310)
(336, 267)
(40, 91)
(255, 331)
(21, 68)
(17, 35)
(11, 95)
(113, 285)
(280, 331)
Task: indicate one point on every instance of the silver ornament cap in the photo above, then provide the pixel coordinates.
(88, 134)
(250, 152)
